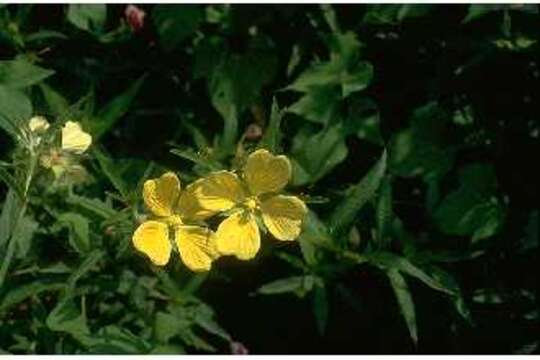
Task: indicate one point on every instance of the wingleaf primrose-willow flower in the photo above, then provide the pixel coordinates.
(254, 194)
(74, 139)
(173, 210)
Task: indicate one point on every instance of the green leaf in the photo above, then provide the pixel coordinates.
(88, 17)
(389, 261)
(359, 195)
(320, 306)
(115, 340)
(473, 209)
(12, 183)
(15, 107)
(23, 235)
(67, 317)
(271, 139)
(167, 326)
(405, 302)
(290, 284)
(110, 169)
(320, 105)
(314, 232)
(364, 121)
(79, 232)
(175, 23)
(315, 154)
(96, 206)
(479, 10)
(20, 73)
(57, 104)
(24, 291)
(115, 109)
(10, 214)
(88, 264)
(384, 213)
(423, 149)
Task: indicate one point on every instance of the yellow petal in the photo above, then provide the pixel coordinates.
(152, 239)
(239, 235)
(197, 247)
(74, 139)
(218, 191)
(283, 216)
(189, 207)
(38, 124)
(160, 195)
(265, 172)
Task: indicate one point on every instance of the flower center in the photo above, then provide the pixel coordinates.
(251, 203)
(174, 220)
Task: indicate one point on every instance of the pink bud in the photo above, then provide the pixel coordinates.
(135, 17)
(253, 132)
(237, 348)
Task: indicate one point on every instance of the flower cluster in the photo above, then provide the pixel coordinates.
(60, 156)
(249, 200)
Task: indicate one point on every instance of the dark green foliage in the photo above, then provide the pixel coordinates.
(412, 131)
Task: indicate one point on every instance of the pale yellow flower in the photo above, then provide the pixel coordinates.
(264, 176)
(38, 124)
(171, 207)
(74, 138)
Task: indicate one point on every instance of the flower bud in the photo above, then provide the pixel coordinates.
(135, 17)
(237, 348)
(253, 132)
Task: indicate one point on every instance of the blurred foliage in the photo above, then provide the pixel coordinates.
(410, 129)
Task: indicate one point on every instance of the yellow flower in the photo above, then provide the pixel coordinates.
(38, 124)
(74, 138)
(264, 175)
(196, 244)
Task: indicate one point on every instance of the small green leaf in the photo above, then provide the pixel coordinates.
(15, 107)
(359, 195)
(315, 154)
(290, 284)
(271, 139)
(24, 291)
(88, 17)
(175, 23)
(20, 73)
(57, 104)
(12, 183)
(472, 209)
(384, 213)
(67, 317)
(115, 109)
(79, 232)
(110, 169)
(389, 261)
(405, 301)
(320, 306)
